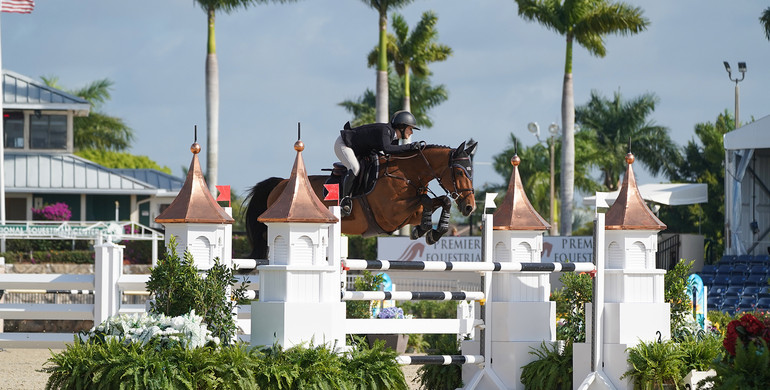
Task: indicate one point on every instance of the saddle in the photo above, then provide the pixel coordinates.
(366, 178)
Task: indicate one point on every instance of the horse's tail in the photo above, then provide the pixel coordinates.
(257, 231)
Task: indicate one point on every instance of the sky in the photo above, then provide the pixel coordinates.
(283, 64)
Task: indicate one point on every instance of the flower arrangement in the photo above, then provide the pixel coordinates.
(391, 312)
(187, 330)
(748, 329)
(53, 212)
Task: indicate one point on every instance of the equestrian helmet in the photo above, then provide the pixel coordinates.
(403, 118)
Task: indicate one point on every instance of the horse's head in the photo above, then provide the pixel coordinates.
(460, 174)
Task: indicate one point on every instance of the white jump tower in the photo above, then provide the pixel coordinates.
(299, 296)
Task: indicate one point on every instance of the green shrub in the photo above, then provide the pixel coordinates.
(367, 282)
(653, 363)
(551, 370)
(51, 256)
(178, 288)
(570, 301)
(440, 377)
(677, 295)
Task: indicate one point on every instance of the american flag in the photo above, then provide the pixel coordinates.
(18, 6)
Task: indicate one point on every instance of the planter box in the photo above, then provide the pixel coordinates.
(694, 377)
(396, 341)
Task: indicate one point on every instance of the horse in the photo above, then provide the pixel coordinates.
(399, 196)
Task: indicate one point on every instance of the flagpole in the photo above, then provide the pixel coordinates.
(2, 146)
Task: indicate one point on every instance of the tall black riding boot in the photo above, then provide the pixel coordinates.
(346, 204)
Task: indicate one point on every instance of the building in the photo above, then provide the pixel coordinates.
(41, 167)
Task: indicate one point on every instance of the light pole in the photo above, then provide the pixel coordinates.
(742, 69)
(553, 129)
(728, 192)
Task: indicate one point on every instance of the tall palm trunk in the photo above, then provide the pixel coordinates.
(381, 107)
(212, 107)
(568, 144)
(407, 94)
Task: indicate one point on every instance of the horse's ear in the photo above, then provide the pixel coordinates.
(471, 150)
(460, 148)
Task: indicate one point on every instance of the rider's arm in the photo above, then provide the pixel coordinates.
(389, 146)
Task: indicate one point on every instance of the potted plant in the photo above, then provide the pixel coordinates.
(551, 371)
(395, 341)
(655, 365)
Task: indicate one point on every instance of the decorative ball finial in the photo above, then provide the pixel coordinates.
(299, 146)
(195, 148)
(630, 158)
(515, 160)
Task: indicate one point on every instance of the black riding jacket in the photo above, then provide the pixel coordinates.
(372, 137)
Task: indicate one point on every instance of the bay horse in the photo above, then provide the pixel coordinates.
(399, 197)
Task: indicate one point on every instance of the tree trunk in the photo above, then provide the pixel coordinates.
(212, 108)
(567, 155)
(381, 106)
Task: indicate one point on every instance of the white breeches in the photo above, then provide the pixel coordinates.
(346, 155)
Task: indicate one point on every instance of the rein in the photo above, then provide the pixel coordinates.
(452, 164)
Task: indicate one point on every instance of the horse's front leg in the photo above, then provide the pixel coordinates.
(443, 221)
(426, 223)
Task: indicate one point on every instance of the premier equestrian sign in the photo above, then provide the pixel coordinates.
(60, 231)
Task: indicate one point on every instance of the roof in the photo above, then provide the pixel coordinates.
(755, 135)
(515, 212)
(629, 212)
(194, 203)
(298, 202)
(672, 194)
(22, 92)
(66, 173)
(154, 177)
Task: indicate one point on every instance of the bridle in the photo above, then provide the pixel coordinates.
(464, 164)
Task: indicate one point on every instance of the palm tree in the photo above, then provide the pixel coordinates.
(97, 130)
(426, 97)
(382, 7)
(412, 53)
(211, 7)
(587, 22)
(535, 169)
(616, 123)
(765, 21)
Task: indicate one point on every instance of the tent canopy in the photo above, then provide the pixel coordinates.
(754, 135)
(672, 194)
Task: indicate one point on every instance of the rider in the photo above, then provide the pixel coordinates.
(362, 140)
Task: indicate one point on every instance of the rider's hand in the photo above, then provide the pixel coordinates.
(415, 145)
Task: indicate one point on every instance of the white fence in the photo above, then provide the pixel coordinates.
(108, 283)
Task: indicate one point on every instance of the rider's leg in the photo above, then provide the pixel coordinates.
(348, 158)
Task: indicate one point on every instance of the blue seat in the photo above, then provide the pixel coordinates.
(715, 302)
(758, 269)
(761, 259)
(764, 292)
(740, 269)
(733, 291)
(737, 280)
(727, 259)
(763, 303)
(721, 279)
(756, 280)
(745, 259)
(751, 291)
(718, 289)
(707, 279)
(729, 305)
(708, 269)
(724, 269)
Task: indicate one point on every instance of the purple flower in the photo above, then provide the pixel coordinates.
(53, 212)
(391, 312)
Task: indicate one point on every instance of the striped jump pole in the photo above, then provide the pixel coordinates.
(443, 360)
(383, 265)
(412, 296)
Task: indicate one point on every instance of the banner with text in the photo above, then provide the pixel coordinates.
(555, 249)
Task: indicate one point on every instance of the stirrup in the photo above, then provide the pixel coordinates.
(346, 206)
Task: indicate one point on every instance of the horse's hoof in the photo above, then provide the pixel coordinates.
(432, 237)
(416, 233)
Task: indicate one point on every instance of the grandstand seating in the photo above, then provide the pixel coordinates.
(738, 283)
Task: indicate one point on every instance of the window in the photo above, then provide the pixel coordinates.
(48, 131)
(13, 125)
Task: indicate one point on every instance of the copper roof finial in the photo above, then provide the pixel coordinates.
(515, 211)
(298, 202)
(194, 203)
(630, 212)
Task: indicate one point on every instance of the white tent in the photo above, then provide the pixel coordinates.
(747, 196)
(673, 194)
